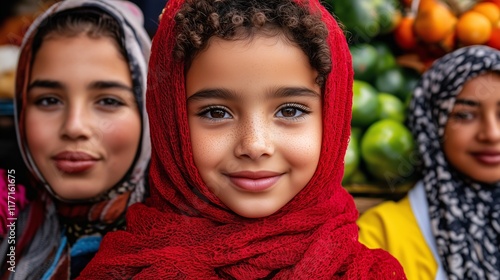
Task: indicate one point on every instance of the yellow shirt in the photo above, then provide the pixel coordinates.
(392, 226)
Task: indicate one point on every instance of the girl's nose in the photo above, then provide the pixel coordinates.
(76, 124)
(253, 140)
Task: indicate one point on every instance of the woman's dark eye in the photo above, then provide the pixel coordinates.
(47, 101)
(462, 116)
(110, 102)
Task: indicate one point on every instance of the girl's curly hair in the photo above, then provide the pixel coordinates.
(199, 20)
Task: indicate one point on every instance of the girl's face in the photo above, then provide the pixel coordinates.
(82, 123)
(472, 133)
(255, 122)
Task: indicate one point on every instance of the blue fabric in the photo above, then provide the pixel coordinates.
(61, 248)
(419, 207)
(86, 245)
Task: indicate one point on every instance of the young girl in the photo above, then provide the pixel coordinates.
(448, 225)
(83, 132)
(249, 105)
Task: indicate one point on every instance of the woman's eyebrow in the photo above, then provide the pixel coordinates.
(109, 85)
(45, 84)
(467, 102)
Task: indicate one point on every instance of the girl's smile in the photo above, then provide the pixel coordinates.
(254, 181)
(254, 112)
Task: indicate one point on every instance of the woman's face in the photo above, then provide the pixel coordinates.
(472, 133)
(255, 122)
(82, 123)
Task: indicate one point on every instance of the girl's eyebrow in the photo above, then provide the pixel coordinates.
(467, 102)
(295, 91)
(216, 93)
(219, 93)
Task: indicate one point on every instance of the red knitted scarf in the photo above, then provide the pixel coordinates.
(184, 231)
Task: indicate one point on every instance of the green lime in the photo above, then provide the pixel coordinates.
(389, 15)
(351, 159)
(391, 81)
(411, 77)
(364, 61)
(358, 177)
(356, 132)
(387, 148)
(365, 106)
(386, 59)
(359, 17)
(391, 107)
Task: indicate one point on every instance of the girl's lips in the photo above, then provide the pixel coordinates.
(74, 162)
(487, 158)
(254, 184)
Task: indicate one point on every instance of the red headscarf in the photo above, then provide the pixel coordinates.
(184, 231)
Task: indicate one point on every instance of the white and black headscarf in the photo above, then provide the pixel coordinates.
(464, 214)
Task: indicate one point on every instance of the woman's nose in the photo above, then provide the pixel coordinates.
(254, 141)
(490, 129)
(77, 123)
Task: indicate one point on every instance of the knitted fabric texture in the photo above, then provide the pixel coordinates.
(184, 232)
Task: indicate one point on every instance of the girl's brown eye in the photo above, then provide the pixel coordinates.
(217, 114)
(289, 112)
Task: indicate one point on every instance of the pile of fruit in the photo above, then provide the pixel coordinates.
(432, 28)
(427, 28)
(382, 35)
(381, 150)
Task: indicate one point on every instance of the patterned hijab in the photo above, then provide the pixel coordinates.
(185, 232)
(40, 227)
(465, 215)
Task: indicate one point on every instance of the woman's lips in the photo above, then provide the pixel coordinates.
(488, 158)
(74, 162)
(254, 181)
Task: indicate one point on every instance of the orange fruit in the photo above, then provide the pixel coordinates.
(448, 43)
(404, 34)
(434, 22)
(494, 40)
(496, 2)
(490, 10)
(473, 28)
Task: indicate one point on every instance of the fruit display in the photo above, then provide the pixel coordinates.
(432, 28)
(392, 43)
(426, 29)
(381, 153)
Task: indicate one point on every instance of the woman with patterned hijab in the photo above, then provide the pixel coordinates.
(83, 131)
(448, 226)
